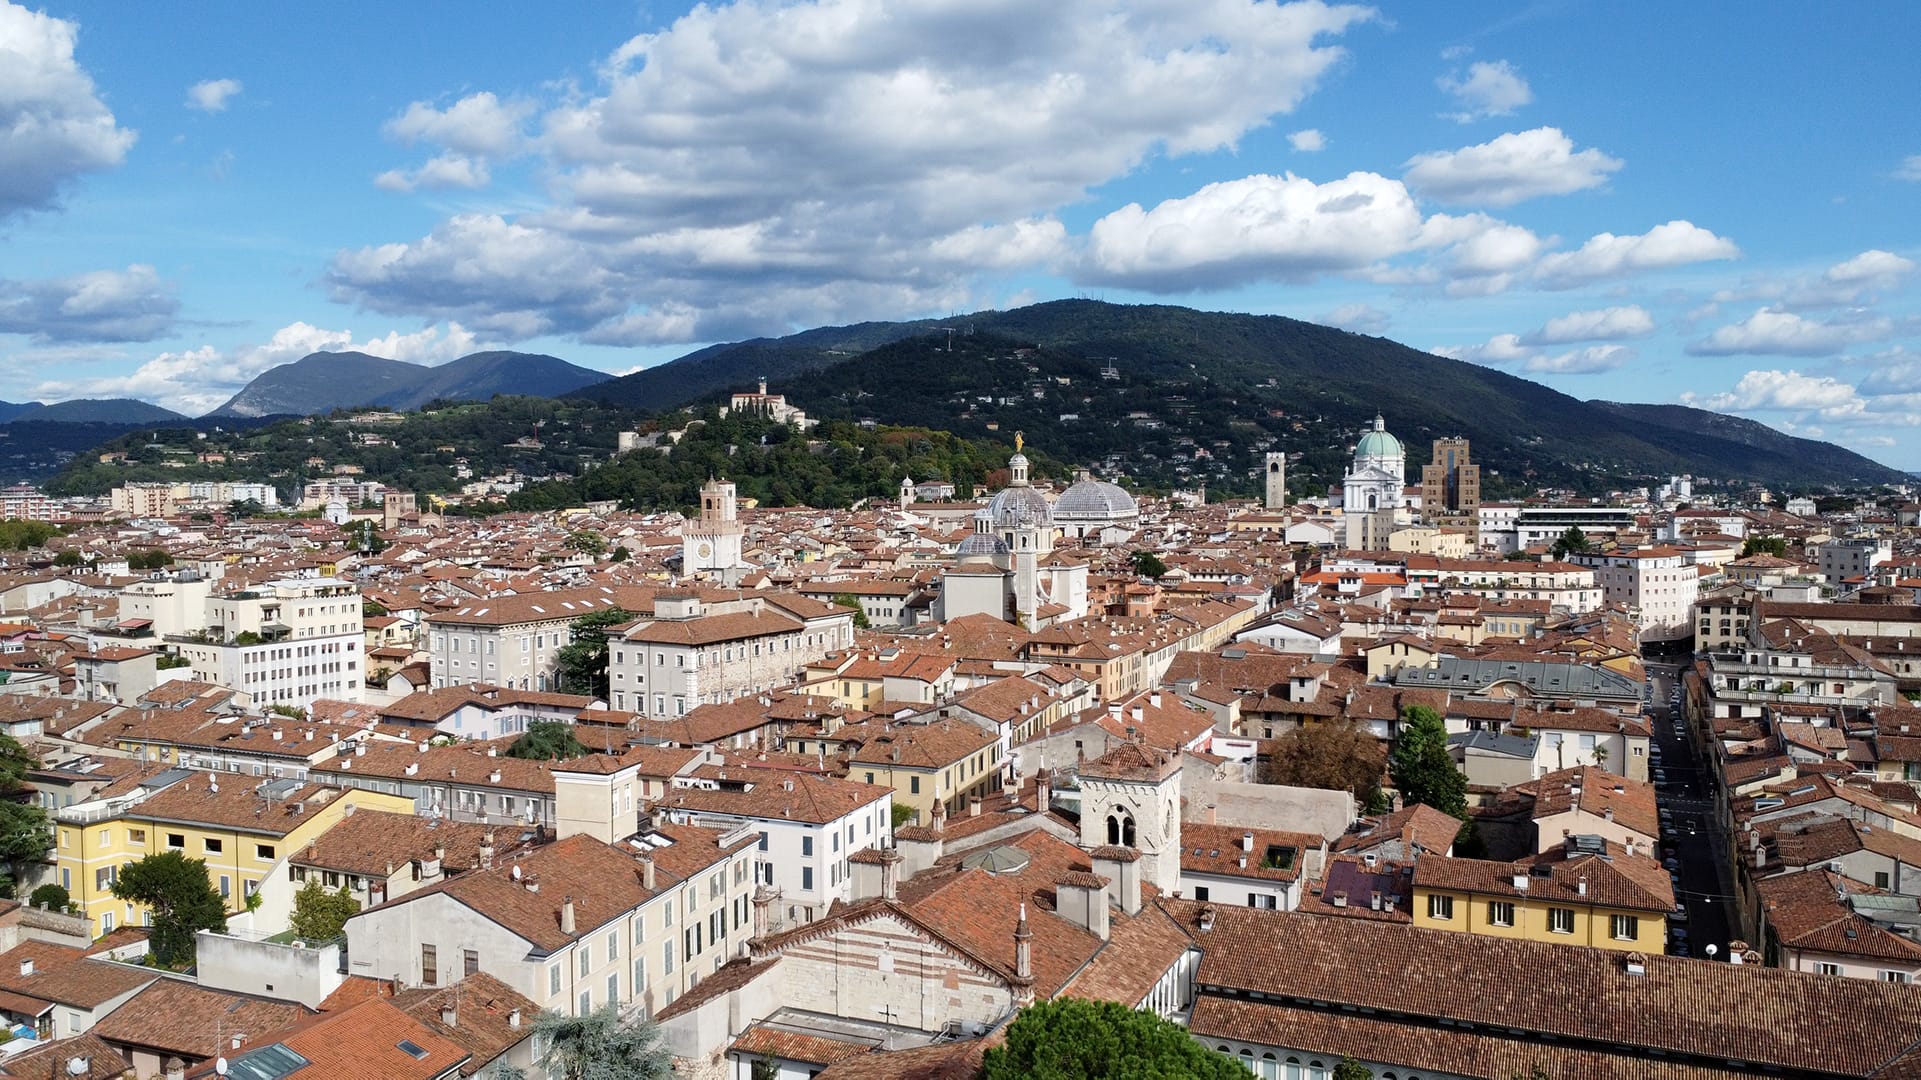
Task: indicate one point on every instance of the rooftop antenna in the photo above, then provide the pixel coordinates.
(950, 336)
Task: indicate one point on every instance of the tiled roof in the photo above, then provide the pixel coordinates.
(769, 793)
(63, 975)
(367, 1039)
(174, 1017)
(375, 843)
(484, 1024)
(1784, 1019)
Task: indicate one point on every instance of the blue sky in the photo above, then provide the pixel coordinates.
(1642, 202)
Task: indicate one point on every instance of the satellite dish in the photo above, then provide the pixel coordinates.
(1711, 950)
(220, 1065)
(78, 1066)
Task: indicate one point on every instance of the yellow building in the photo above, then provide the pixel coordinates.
(947, 761)
(238, 825)
(1588, 893)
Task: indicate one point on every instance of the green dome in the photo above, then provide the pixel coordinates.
(1378, 444)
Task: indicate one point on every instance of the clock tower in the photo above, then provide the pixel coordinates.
(710, 546)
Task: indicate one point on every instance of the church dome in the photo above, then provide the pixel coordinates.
(1096, 501)
(1378, 443)
(981, 544)
(1019, 507)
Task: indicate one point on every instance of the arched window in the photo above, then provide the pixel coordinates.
(1270, 1068)
(1373, 500)
(1247, 1060)
(1120, 827)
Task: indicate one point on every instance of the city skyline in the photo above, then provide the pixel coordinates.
(1590, 196)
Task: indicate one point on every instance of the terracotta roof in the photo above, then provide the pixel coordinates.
(769, 793)
(174, 1017)
(367, 1039)
(1217, 849)
(485, 1024)
(763, 1040)
(63, 975)
(375, 843)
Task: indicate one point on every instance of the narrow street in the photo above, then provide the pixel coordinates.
(1690, 833)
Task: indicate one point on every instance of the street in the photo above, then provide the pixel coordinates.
(1690, 833)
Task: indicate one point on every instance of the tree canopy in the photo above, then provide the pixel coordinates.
(1776, 546)
(1422, 770)
(320, 915)
(1336, 756)
(599, 1046)
(581, 665)
(1571, 542)
(547, 740)
(1148, 564)
(177, 893)
(849, 600)
(1072, 1039)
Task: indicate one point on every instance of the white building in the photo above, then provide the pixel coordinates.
(710, 545)
(286, 642)
(685, 657)
(1374, 490)
(1008, 568)
(1854, 558)
(809, 826)
(512, 641)
(1657, 582)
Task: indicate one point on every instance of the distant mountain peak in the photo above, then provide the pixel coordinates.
(323, 381)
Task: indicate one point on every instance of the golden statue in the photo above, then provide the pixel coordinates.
(1018, 442)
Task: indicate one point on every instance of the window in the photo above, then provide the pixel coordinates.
(806, 845)
(613, 986)
(136, 836)
(553, 979)
(640, 976)
(763, 835)
(1440, 907)
(613, 946)
(581, 960)
(213, 846)
(913, 785)
(1886, 976)
(176, 841)
(1624, 927)
(1560, 920)
(1880, 879)
(263, 852)
(667, 956)
(586, 1002)
(1827, 969)
(429, 966)
(226, 886)
(806, 878)
(469, 961)
(1500, 913)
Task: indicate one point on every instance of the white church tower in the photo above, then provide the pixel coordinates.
(1374, 491)
(711, 545)
(1276, 481)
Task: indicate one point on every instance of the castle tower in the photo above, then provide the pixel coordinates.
(1276, 481)
(710, 546)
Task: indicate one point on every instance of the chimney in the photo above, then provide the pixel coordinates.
(646, 873)
(1520, 882)
(940, 816)
(1043, 790)
(276, 734)
(487, 851)
(1247, 842)
(26, 967)
(447, 1014)
(513, 1019)
(1135, 712)
(1580, 887)
(1154, 699)
(1608, 813)
(174, 1069)
(974, 806)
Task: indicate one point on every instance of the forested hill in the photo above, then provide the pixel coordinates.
(1306, 387)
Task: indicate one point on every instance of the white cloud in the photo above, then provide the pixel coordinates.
(1509, 169)
(200, 380)
(478, 125)
(1588, 361)
(1308, 141)
(1786, 391)
(105, 305)
(53, 125)
(1873, 268)
(1490, 88)
(439, 173)
(1774, 332)
(1909, 169)
(1677, 243)
(1605, 324)
(212, 95)
(1359, 318)
(760, 161)
(1500, 349)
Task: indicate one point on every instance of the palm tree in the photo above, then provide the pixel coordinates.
(600, 1046)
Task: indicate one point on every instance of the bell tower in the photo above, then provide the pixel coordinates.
(1131, 798)
(1276, 489)
(710, 546)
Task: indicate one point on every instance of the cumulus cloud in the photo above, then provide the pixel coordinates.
(440, 173)
(212, 95)
(1786, 391)
(1359, 318)
(1588, 361)
(476, 125)
(1510, 169)
(1604, 256)
(53, 125)
(1490, 88)
(1500, 349)
(1774, 332)
(196, 381)
(774, 158)
(1308, 141)
(1874, 268)
(1605, 324)
(105, 305)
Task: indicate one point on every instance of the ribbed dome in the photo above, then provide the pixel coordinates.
(1018, 507)
(981, 544)
(1096, 500)
(1378, 444)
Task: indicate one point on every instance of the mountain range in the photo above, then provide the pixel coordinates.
(1229, 384)
(323, 381)
(87, 411)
